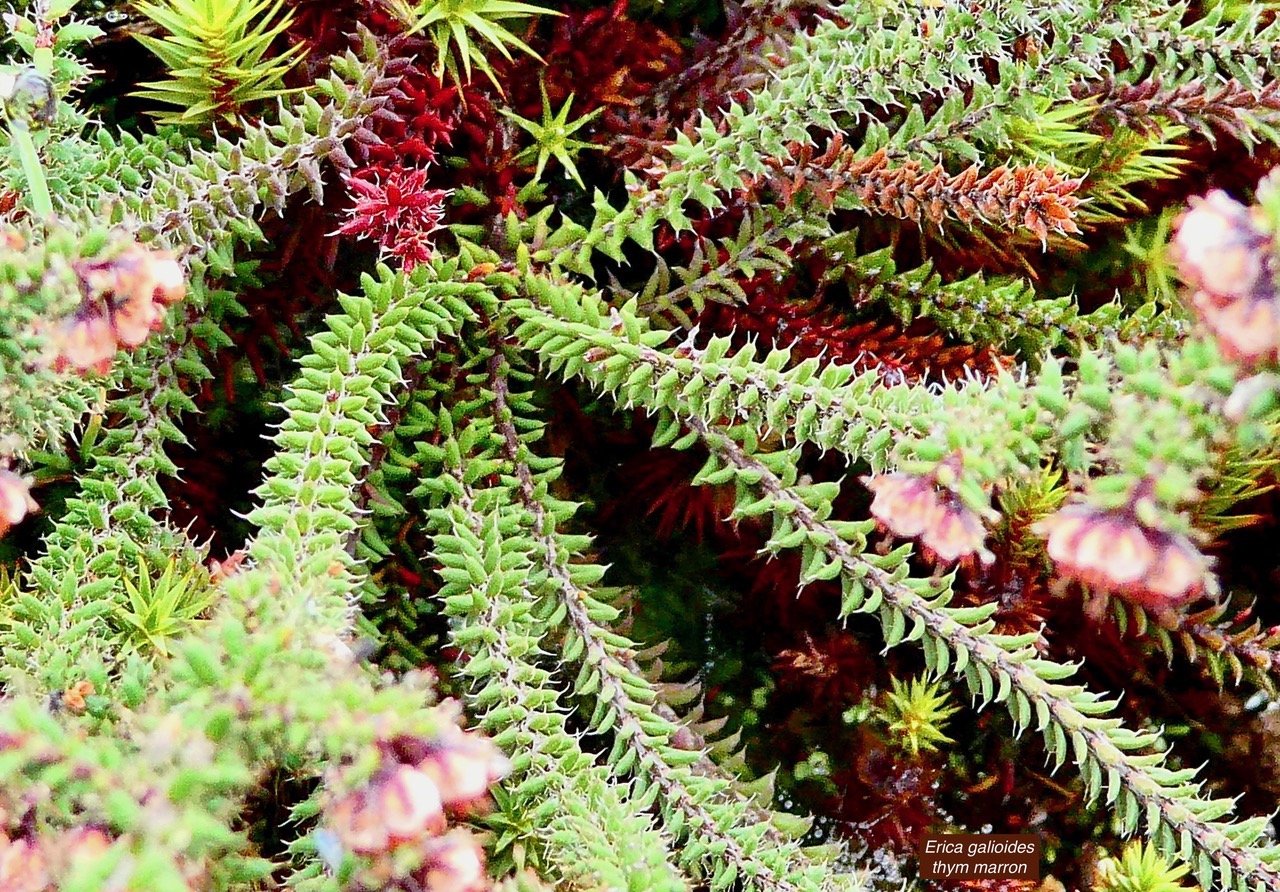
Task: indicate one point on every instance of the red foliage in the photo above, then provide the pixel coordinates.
(423, 113)
(828, 672)
(395, 209)
(678, 508)
(600, 56)
(811, 326)
(889, 796)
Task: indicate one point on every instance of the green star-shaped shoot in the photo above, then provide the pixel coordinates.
(554, 136)
(916, 713)
(1140, 868)
(462, 29)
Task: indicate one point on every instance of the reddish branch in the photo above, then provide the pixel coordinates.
(1028, 197)
(1229, 108)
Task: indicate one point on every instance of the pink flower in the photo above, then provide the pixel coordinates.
(1112, 552)
(401, 804)
(15, 500)
(453, 863)
(84, 341)
(395, 209)
(410, 803)
(22, 865)
(464, 766)
(124, 301)
(1221, 248)
(138, 285)
(915, 507)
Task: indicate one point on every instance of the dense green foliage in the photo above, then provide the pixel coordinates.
(892, 342)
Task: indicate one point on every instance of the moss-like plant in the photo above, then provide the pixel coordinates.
(1140, 868)
(553, 137)
(451, 24)
(216, 53)
(159, 610)
(916, 712)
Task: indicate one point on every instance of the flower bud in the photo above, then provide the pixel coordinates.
(463, 767)
(23, 867)
(15, 500)
(1113, 553)
(1218, 247)
(914, 507)
(453, 863)
(28, 97)
(401, 804)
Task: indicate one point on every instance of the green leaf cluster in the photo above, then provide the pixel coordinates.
(413, 474)
(217, 55)
(462, 30)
